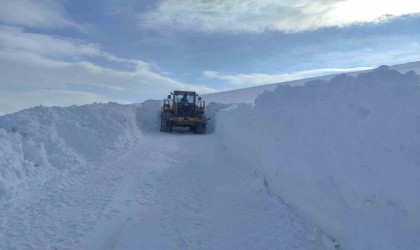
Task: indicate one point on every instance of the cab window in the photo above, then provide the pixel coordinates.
(188, 98)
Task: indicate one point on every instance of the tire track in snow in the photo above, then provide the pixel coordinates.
(170, 192)
(61, 213)
(138, 196)
(206, 199)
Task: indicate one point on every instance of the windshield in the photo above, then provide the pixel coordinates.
(184, 97)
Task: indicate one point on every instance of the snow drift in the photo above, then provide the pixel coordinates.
(345, 152)
(41, 142)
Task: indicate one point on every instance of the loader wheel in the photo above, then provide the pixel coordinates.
(202, 127)
(192, 129)
(165, 124)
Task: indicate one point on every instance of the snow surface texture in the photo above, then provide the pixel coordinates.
(40, 142)
(345, 152)
(328, 165)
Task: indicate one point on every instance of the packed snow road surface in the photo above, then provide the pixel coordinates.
(168, 192)
(185, 198)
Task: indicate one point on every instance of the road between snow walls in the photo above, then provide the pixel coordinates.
(328, 165)
(101, 177)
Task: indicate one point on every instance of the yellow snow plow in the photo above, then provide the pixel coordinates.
(183, 109)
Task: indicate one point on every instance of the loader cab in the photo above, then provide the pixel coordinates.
(184, 103)
(184, 97)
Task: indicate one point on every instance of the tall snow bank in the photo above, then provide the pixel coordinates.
(37, 143)
(345, 152)
(210, 111)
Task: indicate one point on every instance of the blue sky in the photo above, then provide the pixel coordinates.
(62, 52)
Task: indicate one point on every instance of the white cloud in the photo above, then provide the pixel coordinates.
(45, 45)
(46, 14)
(377, 51)
(246, 80)
(368, 11)
(251, 16)
(40, 69)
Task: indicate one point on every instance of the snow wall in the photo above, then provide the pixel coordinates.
(39, 143)
(345, 152)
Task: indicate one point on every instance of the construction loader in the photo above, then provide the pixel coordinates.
(183, 109)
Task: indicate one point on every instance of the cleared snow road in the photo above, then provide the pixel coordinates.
(171, 191)
(189, 194)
